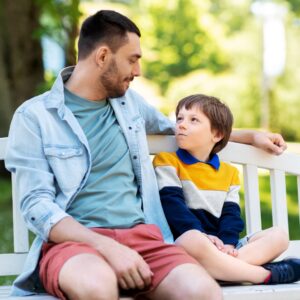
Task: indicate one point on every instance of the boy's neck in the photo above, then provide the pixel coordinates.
(200, 155)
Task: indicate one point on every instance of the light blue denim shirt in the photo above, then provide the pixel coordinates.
(50, 157)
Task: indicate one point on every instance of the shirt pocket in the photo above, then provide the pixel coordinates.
(68, 163)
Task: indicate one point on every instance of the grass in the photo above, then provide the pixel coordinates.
(6, 234)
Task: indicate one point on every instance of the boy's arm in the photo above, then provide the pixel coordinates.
(268, 141)
(178, 215)
(231, 223)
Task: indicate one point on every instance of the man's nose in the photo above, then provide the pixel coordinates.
(136, 71)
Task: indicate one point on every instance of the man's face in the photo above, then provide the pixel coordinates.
(122, 68)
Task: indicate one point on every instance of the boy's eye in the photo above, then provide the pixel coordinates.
(178, 119)
(194, 119)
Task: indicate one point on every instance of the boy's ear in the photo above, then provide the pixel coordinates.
(217, 136)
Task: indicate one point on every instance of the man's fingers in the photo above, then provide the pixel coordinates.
(123, 284)
(146, 274)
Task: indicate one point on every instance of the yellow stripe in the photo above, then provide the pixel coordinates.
(202, 175)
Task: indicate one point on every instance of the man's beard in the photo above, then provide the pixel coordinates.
(111, 81)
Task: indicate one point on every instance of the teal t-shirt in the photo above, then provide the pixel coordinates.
(110, 196)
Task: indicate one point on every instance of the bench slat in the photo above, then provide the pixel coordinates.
(252, 203)
(11, 263)
(21, 237)
(298, 192)
(279, 204)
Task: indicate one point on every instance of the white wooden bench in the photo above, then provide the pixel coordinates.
(250, 159)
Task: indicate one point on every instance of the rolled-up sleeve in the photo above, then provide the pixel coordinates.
(35, 190)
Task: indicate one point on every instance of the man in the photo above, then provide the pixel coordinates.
(85, 181)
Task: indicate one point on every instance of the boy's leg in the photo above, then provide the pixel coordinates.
(264, 246)
(219, 265)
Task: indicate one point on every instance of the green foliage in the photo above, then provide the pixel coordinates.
(178, 41)
(58, 18)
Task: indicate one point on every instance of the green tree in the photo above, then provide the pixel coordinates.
(177, 41)
(22, 24)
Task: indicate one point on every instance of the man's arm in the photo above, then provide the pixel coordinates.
(36, 193)
(268, 141)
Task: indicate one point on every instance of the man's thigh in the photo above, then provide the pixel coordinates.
(162, 258)
(69, 267)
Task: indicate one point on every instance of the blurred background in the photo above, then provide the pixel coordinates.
(244, 52)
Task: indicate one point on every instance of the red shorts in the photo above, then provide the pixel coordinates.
(146, 239)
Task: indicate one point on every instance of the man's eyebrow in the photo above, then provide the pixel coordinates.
(136, 55)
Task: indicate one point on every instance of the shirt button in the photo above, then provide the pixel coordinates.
(123, 103)
(130, 127)
(32, 218)
(134, 157)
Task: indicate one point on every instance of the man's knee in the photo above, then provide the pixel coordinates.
(88, 277)
(202, 287)
(103, 288)
(191, 282)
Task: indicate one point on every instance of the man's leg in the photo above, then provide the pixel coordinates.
(76, 271)
(87, 276)
(187, 281)
(176, 275)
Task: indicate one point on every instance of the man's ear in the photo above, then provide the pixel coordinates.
(217, 136)
(102, 54)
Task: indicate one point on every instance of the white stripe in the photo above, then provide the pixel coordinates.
(233, 194)
(211, 201)
(167, 176)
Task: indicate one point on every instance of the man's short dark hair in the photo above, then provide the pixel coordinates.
(219, 114)
(106, 26)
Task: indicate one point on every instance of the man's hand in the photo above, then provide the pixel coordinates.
(131, 270)
(270, 142)
(216, 241)
(230, 250)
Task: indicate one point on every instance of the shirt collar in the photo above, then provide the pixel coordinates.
(189, 159)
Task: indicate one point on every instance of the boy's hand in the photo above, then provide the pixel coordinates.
(216, 241)
(230, 250)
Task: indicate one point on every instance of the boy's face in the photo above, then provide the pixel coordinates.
(194, 133)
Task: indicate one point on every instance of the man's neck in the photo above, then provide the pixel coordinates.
(84, 83)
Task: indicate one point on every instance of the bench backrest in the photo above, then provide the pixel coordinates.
(250, 158)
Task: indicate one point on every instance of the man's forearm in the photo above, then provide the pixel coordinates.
(68, 229)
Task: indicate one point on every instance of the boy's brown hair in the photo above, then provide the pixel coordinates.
(219, 114)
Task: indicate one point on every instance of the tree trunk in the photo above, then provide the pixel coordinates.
(72, 33)
(20, 56)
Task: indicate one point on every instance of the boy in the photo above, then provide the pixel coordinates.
(199, 195)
